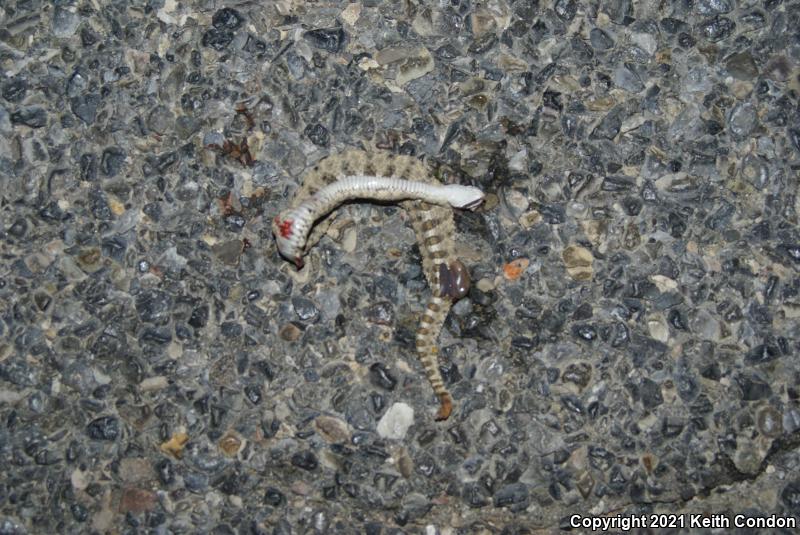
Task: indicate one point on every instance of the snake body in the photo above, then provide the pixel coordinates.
(389, 177)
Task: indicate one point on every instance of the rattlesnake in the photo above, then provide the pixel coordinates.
(384, 176)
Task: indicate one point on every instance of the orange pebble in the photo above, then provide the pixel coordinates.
(514, 269)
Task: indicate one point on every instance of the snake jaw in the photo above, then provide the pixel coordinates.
(473, 205)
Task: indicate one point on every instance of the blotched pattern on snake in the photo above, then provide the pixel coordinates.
(384, 176)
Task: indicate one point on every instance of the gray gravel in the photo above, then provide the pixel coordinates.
(630, 344)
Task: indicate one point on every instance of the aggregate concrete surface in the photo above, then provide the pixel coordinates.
(629, 346)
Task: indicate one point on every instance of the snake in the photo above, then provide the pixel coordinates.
(388, 177)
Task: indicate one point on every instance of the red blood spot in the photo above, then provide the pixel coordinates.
(285, 228)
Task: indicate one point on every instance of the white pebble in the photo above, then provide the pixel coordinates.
(395, 423)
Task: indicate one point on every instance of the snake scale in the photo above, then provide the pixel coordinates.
(382, 176)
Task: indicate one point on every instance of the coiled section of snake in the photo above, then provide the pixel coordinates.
(389, 177)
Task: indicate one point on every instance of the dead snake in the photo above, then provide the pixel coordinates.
(384, 176)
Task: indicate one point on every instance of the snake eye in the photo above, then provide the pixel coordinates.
(298, 261)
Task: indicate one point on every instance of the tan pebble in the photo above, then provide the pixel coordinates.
(600, 104)
(791, 310)
(423, 23)
(117, 208)
(517, 201)
(301, 276)
(595, 230)
(511, 63)
(332, 430)
(649, 461)
(741, 89)
(657, 326)
(748, 455)
(135, 500)
(368, 64)
(578, 261)
(174, 350)
(230, 444)
(301, 488)
(530, 218)
(404, 462)
(289, 332)
(103, 519)
(89, 258)
(584, 483)
(78, 479)
(490, 200)
(135, 470)
(158, 382)
(420, 64)
(351, 13)
(478, 102)
(482, 22)
(663, 283)
(485, 285)
(350, 239)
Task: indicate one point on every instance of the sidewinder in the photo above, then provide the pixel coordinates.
(383, 176)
